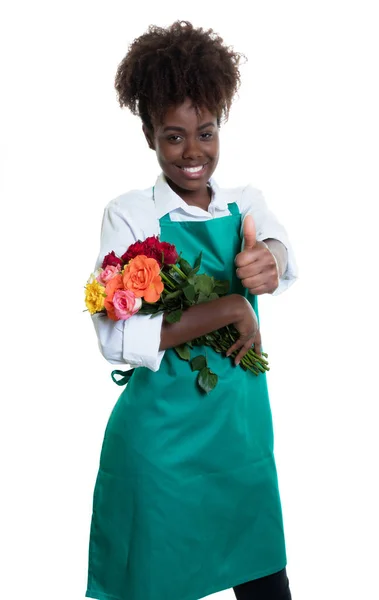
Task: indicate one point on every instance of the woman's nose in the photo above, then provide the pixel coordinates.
(192, 149)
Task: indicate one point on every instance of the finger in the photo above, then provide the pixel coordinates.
(234, 347)
(253, 262)
(239, 344)
(262, 284)
(252, 269)
(246, 257)
(258, 343)
(259, 290)
(258, 253)
(254, 282)
(269, 281)
(249, 233)
(244, 350)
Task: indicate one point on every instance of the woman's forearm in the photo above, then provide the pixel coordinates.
(201, 319)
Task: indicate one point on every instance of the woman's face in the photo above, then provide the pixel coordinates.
(187, 147)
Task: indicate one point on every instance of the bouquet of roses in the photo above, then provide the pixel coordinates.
(152, 278)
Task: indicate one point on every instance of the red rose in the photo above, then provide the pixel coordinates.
(151, 249)
(152, 242)
(133, 251)
(169, 252)
(112, 260)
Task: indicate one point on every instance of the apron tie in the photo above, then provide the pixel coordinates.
(125, 376)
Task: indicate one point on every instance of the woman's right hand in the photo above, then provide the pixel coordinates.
(248, 328)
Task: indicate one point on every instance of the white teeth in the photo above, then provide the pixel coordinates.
(193, 169)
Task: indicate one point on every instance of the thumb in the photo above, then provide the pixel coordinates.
(249, 233)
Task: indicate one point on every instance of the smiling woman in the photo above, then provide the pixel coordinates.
(186, 501)
(186, 142)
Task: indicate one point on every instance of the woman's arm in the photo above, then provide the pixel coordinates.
(201, 319)
(272, 233)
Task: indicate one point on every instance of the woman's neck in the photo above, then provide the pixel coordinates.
(200, 198)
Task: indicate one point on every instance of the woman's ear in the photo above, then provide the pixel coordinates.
(149, 137)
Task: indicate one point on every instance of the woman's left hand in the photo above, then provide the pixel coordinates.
(257, 266)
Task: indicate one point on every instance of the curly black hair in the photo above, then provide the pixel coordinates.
(164, 66)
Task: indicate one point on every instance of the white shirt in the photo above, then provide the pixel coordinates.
(135, 216)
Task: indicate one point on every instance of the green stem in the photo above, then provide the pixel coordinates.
(251, 360)
(179, 271)
(258, 356)
(252, 369)
(168, 281)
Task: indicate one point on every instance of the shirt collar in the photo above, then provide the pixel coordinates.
(166, 200)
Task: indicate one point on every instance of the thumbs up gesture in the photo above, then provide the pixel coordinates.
(256, 265)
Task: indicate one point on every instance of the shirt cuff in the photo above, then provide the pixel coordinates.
(142, 338)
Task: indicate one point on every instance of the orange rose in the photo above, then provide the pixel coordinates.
(141, 276)
(112, 286)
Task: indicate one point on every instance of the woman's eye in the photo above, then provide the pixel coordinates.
(206, 136)
(174, 138)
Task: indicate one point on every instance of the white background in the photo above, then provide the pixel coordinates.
(305, 131)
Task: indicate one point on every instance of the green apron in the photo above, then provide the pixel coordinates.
(186, 500)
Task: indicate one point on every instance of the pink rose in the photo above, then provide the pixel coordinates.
(125, 304)
(108, 273)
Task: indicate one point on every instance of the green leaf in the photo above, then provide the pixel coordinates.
(172, 296)
(192, 278)
(213, 296)
(150, 309)
(174, 316)
(221, 287)
(157, 314)
(207, 380)
(198, 363)
(204, 284)
(183, 351)
(197, 264)
(202, 298)
(190, 293)
(185, 266)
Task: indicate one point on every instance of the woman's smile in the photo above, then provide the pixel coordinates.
(195, 172)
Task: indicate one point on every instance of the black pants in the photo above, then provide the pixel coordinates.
(272, 587)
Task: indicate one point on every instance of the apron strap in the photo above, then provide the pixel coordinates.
(125, 376)
(233, 208)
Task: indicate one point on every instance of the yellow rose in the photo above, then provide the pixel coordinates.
(94, 297)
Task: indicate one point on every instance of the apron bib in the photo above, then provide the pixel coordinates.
(186, 501)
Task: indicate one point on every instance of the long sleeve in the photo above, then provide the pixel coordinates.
(135, 341)
(267, 226)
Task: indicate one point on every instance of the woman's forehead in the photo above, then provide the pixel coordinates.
(186, 115)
